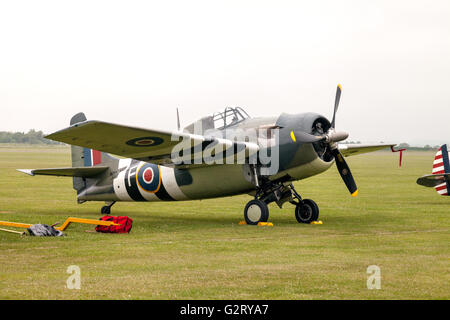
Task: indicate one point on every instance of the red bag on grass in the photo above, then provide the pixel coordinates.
(124, 221)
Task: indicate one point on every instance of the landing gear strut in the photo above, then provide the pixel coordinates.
(306, 210)
(107, 209)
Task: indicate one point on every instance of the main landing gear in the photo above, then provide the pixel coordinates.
(107, 209)
(257, 210)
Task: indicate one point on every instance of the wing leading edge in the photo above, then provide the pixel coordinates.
(353, 149)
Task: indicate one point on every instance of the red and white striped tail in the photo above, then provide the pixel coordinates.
(441, 165)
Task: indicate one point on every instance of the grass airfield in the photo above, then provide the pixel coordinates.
(197, 249)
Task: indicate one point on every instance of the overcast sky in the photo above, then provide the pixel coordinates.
(134, 62)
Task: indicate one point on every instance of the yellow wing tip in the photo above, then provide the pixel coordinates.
(339, 85)
(354, 194)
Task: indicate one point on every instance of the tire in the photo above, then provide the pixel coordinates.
(256, 211)
(307, 211)
(106, 210)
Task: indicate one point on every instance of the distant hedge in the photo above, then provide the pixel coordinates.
(31, 137)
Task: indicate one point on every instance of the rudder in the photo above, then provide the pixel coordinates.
(85, 157)
(441, 165)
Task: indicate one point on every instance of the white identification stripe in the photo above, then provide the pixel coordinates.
(124, 163)
(438, 161)
(149, 196)
(441, 168)
(439, 153)
(119, 187)
(170, 183)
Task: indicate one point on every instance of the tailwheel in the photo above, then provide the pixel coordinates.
(256, 211)
(107, 209)
(306, 211)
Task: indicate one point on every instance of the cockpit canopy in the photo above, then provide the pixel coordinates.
(218, 121)
(230, 116)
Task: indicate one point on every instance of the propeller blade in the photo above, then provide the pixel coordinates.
(303, 137)
(345, 172)
(336, 104)
(333, 136)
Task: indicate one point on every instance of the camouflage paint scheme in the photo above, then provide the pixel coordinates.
(121, 181)
(148, 175)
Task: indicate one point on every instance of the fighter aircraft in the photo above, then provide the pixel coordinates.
(440, 175)
(298, 146)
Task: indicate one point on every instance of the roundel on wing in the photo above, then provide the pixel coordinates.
(148, 177)
(145, 142)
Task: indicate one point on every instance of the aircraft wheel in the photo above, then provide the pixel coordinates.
(307, 211)
(106, 210)
(256, 211)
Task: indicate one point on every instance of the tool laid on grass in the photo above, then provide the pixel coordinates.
(13, 231)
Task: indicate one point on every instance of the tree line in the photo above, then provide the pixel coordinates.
(31, 137)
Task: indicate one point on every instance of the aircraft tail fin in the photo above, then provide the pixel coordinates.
(441, 166)
(85, 157)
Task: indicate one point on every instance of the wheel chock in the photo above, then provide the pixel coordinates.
(316, 222)
(260, 224)
(265, 224)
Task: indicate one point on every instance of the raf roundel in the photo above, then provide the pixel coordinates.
(145, 142)
(148, 177)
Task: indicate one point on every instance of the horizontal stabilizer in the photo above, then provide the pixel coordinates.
(82, 172)
(432, 180)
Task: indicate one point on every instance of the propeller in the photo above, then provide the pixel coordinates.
(341, 164)
(332, 137)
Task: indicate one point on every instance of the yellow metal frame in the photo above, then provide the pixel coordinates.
(86, 221)
(64, 225)
(15, 224)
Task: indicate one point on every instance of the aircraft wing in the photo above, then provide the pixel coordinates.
(353, 149)
(145, 144)
(83, 172)
(432, 180)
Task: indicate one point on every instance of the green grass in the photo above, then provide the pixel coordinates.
(197, 250)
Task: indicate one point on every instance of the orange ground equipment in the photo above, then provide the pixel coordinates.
(64, 225)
